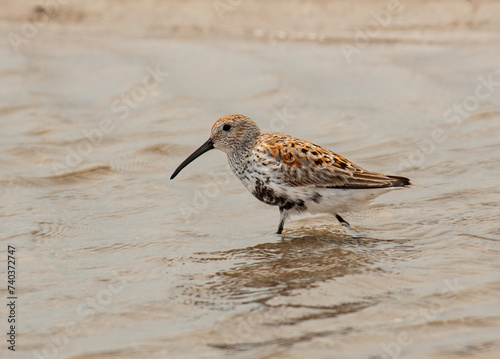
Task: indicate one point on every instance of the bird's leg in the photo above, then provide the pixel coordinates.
(283, 217)
(342, 221)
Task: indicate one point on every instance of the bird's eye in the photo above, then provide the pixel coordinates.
(226, 127)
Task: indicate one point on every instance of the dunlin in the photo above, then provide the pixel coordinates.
(295, 175)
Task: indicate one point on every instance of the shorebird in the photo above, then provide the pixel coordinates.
(293, 174)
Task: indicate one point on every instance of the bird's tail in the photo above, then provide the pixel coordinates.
(398, 181)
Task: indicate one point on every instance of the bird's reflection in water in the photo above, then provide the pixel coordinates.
(301, 259)
(294, 289)
(286, 286)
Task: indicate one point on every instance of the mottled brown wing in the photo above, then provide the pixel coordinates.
(307, 164)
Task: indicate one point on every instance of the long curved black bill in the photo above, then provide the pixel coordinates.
(207, 146)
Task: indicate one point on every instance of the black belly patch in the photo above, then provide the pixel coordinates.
(271, 197)
(316, 197)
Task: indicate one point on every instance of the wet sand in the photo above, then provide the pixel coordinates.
(116, 261)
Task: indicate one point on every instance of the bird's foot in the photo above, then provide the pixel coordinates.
(344, 223)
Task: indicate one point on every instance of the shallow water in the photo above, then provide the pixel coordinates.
(116, 261)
